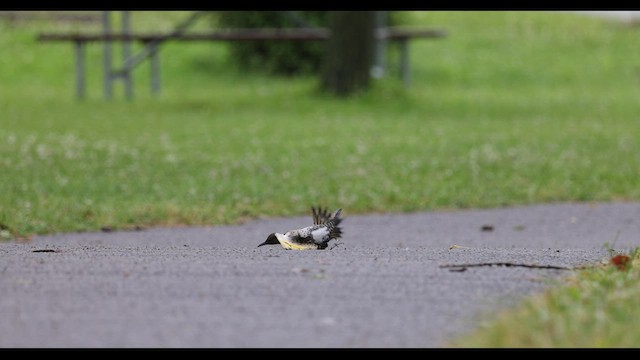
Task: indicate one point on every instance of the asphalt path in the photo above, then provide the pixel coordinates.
(386, 285)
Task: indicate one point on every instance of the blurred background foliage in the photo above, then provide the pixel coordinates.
(278, 57)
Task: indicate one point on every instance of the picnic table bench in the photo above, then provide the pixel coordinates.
(399, 35)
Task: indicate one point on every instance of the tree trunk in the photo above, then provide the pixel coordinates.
(349, 54)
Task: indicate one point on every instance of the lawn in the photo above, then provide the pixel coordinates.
(511, 108)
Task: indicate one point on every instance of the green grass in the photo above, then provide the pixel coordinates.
(511, 108)
(597, 308)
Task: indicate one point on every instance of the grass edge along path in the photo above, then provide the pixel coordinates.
(594, 308)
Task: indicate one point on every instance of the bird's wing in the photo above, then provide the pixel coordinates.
(325, 223)
(304, 235)
(320, 234)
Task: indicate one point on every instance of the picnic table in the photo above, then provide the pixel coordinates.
(399, 35)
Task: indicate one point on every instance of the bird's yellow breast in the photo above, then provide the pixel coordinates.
(289, 245)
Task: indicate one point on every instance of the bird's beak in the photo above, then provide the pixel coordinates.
(271, 240)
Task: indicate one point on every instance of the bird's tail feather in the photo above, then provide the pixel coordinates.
(320, 215)
(334, 224)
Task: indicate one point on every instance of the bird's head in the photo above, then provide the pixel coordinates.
(271, 240)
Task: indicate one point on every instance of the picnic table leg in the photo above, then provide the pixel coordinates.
(80, 89)
(126, 53)
(380, 55)
(155, 71)
(405, 73)
(106, 57)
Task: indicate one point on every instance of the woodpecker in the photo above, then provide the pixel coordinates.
(325, 228)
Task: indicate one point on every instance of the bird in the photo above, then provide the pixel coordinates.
(325, 228)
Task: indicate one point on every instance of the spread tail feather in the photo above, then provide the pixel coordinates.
(335, 220)
(320, 215)
(336, 214)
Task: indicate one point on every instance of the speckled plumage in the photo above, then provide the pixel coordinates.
(325, 228)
